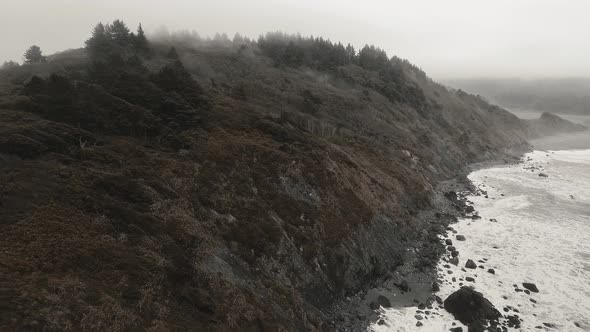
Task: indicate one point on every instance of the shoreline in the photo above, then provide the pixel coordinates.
(410, 286)
(500, 255)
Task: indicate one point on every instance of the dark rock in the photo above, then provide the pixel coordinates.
(435, 287)
(419, 324)
(469, 209)
(451, 248)
(403, 286)
(460, 237)
(513, 321)
(418, 317)
(381, 322)
(471, 308)
(543, 175)
(530, 286)
(492, 271)
(454, 260)
(455, 253)
(438, 299)
(533, 300)
(449, 242)
(470, 279)
(384, 301)
(456, 329)
(527, 292)
(493, 220)
(470, 264)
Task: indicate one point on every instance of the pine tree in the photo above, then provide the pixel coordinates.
(238, 39)
(119, 32)
(141, 42)
(350, 53)
(99, 44)
(34, 55)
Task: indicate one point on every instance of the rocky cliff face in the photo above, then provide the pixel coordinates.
(221, 190)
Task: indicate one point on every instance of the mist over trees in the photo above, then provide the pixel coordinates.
(9, 64)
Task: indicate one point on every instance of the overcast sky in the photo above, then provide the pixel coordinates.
(448, 39)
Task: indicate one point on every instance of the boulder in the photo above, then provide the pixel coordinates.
(449, 242)
(471, 308)
(454, 260)
(543, 175)
(530, 286)
(451, 248)
(470, 264)
(383, 301)
(403, 286)
(454, 253)
(460, 237)
(435, 287)
(492, 271)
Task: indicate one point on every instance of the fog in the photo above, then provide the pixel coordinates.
(448, 39)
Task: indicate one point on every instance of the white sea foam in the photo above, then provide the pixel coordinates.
(542, 235)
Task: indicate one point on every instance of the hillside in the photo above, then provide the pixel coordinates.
(223, 184)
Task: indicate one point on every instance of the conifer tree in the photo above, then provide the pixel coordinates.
(34, 55)
(119, 32)
(99, 44)
(141, 42)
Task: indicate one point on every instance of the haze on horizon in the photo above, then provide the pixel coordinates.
(449, 40)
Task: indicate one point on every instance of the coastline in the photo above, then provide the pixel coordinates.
(408, 285)
(506, 245)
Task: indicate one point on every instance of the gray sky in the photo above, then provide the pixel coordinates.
(448, 39)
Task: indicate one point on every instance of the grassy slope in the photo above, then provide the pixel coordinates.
(130, 205)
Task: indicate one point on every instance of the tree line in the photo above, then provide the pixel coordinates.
(116, 38)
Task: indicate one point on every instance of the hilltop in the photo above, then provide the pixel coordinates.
(194, 184)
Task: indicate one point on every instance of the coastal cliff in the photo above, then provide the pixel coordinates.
(215, 185)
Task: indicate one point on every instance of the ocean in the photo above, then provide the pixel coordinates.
(532, 229)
